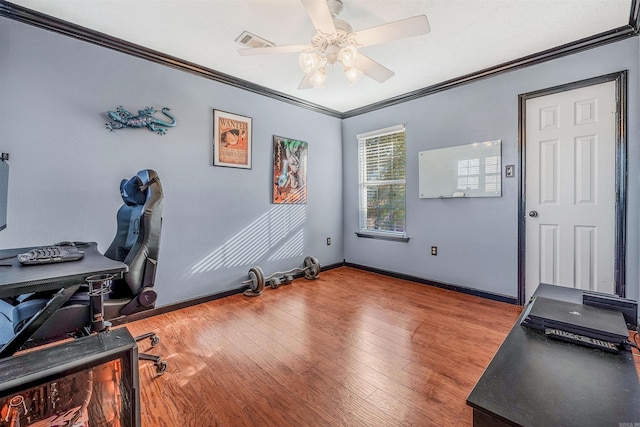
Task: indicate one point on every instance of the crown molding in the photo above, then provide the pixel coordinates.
(634, 16)
(40, 20)
(601, 39)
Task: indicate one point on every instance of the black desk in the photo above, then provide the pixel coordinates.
(66, 277)
(534, 381)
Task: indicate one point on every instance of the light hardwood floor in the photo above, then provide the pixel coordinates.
(352, 348)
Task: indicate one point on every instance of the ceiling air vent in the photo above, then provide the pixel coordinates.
(251, 40)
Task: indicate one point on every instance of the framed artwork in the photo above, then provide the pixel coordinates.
(289, 170)
(231, 140)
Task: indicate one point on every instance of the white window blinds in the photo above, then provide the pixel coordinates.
(382, 158)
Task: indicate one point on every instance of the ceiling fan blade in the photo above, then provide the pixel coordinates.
(371, 68)
(318, 11)
(393, 31)
(292, 48)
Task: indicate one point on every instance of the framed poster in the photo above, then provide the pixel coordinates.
(231, 140)
(289, 170)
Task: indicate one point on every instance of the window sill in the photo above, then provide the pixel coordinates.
(381, 236)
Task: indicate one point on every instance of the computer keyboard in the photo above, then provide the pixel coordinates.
(560, 335)
(50, 254)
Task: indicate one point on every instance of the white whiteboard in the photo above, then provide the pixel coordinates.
(472, 170)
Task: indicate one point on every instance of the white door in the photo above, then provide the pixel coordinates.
(570, 189)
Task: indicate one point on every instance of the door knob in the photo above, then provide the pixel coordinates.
(533, 214)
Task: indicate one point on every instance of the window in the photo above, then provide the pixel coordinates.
(382, 158)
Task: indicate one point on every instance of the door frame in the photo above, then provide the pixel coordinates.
(620, 174)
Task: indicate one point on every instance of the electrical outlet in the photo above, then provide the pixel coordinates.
(434, 250)
(328, 241)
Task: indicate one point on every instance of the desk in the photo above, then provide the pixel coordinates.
(66, 277)
(534, 381)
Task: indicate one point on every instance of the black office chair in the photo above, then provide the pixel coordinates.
(136, 243)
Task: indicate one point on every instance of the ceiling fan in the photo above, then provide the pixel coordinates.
(334, 41)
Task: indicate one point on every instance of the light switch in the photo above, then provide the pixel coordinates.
(509, 171)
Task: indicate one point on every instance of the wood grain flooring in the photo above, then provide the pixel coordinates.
(352, 348)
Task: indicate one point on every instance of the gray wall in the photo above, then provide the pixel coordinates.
(218, 222)
(477, 238)
(66, 167)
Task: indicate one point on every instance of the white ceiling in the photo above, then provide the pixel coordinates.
(466, 36)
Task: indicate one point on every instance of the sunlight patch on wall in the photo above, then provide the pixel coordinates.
(279, 226)
(292, 247)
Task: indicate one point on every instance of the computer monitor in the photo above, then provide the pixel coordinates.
(4, 192)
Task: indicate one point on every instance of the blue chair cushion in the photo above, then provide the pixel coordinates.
(132, 191)
(6, 322)
(73, 315)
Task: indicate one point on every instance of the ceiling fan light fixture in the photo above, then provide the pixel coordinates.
(353, 74)
(318, 78)
(347, 55)
(308, 61)
(335, 41)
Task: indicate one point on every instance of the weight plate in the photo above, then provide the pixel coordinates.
(257, 279)
(253, 280)
(312, 267)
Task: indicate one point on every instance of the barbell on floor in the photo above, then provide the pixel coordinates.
(257, 280)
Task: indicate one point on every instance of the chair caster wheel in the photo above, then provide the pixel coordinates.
(155, 340)
(161, 366)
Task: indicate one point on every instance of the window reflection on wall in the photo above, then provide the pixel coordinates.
(492, 174)
(470, 174)
(468, 171)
